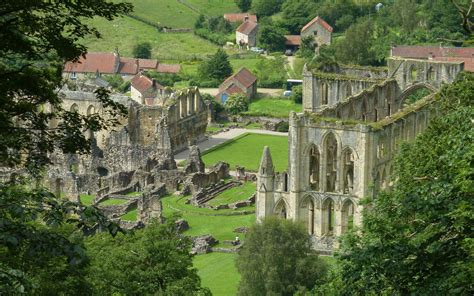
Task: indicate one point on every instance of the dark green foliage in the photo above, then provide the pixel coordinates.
(200, 22)
(271, 37)
(282, 127)
(269, 72)
(277, 259)
(266, 7)
(216, 68)
(151, 261)
(297, 94)
(37, 38)
(307, 47)
(216, 107)
(244, 5)
(237, 103)
(114, 80)
(298, 13)
(142, 50)
(417, 238)
(215, 29)
(165, 79)
(325, 61)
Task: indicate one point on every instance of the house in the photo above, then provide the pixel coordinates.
(241, 82)
(240, 17)
(100, 63)
(246, 34)
(292, 42)
(319, 29)
(145, 90)
(437, 53)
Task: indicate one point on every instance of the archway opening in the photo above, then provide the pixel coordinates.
(348, 90)
(412, 75)
(314, 168)
(324, 93)
(414, 95)
(430, 75)
(280, 210)
(348, 162)
(347, 216)
(331, 163)
(328, 217)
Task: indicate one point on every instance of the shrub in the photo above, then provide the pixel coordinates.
(236, 103)
(297, 94)
(142, 50)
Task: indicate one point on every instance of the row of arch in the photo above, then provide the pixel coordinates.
(331, 169)
(415, 74)
(188, 104)
(322, 218)
(324, 92)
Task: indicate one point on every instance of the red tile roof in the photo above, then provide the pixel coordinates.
(93, 62)
(105, 63)
(293, 40)
(247, 27)
(319, 21)
(168, 68)
(243, 76)
(239, 17)
(144, 84)
(437, 53)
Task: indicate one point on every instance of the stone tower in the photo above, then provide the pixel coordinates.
(265, 185)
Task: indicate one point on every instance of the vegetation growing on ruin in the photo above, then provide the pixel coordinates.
(246, 151)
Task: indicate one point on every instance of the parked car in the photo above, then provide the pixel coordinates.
(257, 50)
(288, 52)
(287, 93)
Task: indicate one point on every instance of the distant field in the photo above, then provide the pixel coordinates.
(247, 151)
(279, 108)
(218, 273)
(214, 7)
(124, 33)
(234, 194)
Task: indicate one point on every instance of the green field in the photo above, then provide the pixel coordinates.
(238, 193)
(87, 199)
(279, 108)
(124, 33)
(214, 7)
(218, 272)
(113, 202)
(247, 151)
(130, 216)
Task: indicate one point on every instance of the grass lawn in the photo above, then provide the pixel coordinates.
(113, 202)
(238, 193)
(130, 216)
(279, 108)
(218, 272)
(170, 13)
(126, 32)
(133, 194)
(214, 7)
(86, 199)
(247, 151)
(211, 129)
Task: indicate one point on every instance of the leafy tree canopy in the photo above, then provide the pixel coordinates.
(237, 103)
(142, 50)
(271, 37)
(244, 5)
(217, 67)
(277, 259)
(266, 7)
(417, 238)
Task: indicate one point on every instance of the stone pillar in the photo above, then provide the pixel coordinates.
(318, 221)
(337, 219)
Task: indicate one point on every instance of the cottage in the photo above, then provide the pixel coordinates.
(319, 29)
(145, 90)
(241, 82)
(292, 42)
(240, 17)
(100, 63)
(246, 34)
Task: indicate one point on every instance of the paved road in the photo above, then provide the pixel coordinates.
(222, 137)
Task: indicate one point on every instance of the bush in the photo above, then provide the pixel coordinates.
(283, 127)
(142, 50)
(236, 103)
(297, 94)
(217, 67)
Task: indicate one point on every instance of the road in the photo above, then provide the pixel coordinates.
(222, 137)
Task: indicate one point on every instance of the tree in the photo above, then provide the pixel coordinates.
(244, 5)
(37, 38)
(298, 13)
(297, 94)
(155, 260)
(217, 67)
(307, 47)
(266, 7)
(355, 48)
(417, 238)
(277, 259)
(271, 37)
(142, 50)
(236, 103)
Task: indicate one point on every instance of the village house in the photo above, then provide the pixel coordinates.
(240, 17)
(145, 90)
(241, 82)
(437, 53)
(319, 29)
(100, 63)
(292, 42)
(246, 34)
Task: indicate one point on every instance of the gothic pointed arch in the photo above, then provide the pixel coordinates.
(324, 93)
(314, 165)
(330, 161)
(327, 219)
(281, 209)
(74, 108)
(348, 160)
(307, 213)
(347, 217)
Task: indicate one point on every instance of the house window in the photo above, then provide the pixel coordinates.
(224, 98)
(315, 33)
(73, 75)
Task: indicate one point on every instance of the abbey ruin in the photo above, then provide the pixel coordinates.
(341, 148)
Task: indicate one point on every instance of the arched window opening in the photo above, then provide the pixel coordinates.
(74, 108)
(328, 217)
(314, 168)
(413, 74)
(91, 110)
(430, 75)
(285, 182)
(311, 217)
(348, 161)
(347, 216)
(348, 90)
(389, 111)
(331, 163)
(324, 93)
(376, 114)
(280, 210)
(363, 111)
